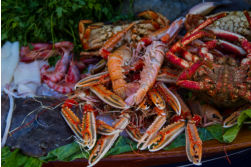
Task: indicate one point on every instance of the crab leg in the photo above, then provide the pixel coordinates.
(170, 55)
(206, 23)
(110, 43)
(248, 18)
(148, 14)
(166, 34)
(105, 142)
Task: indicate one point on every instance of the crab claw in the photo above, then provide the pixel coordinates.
(159, 18)
(72, 120)
(134, 133)
(231, 120)
(109, 97)
(92, 80)
(105, 142)
(114, 40)
(152, 130)
(166, 136)
(105, 129)
(88, 130)
(170, 98)
(157, 99)
(193, 144)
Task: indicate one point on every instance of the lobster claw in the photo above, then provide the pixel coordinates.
(105, 129)
(170, 98)
(157, 99)
(193, 144)
(105, 142)
(134, 133)
(231, 120)
(166, 136)
(109, 97)
(88, 130)
(72, 120)
(151, 131)
(92, 80)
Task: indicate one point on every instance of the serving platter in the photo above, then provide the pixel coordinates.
(144, 158)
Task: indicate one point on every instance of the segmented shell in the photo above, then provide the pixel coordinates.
(234, 22)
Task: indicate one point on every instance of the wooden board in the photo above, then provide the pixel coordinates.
(145, 158)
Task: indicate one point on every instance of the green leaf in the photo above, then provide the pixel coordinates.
(59, 11)
(17, 159)
(68, 152)
(243, 116)
(122, 145)
(231, 134)
(216, 131)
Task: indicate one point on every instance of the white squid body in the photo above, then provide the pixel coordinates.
(9, 59)
(27, 78)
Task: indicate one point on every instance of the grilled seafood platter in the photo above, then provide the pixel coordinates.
(137, 72)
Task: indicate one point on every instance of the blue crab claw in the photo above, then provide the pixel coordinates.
(166, 135)
(193, 144)
(151, 131)
(109, 97)
(105, 142)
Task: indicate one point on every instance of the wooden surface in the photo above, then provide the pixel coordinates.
(145, 158)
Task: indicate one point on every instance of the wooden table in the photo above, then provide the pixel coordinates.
(145, 158)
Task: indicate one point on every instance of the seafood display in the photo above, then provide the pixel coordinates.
(135, 71)
(131, 89)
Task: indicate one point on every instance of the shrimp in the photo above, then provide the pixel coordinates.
(154, 58)
(60, 68)
(116, 61)
(71, 78)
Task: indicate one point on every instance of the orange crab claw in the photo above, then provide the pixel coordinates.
(106, 142)
(193, 144)
(93, 80)
(170, 98)
(88, 129)
(157, 99)
(109, 97)
(152, 129)
(166, 135)
(111, 42)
